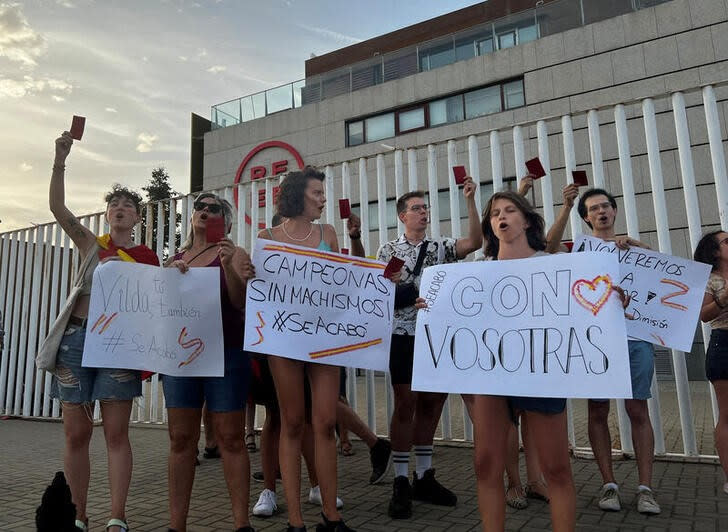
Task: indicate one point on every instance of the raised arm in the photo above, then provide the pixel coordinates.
(82, 237)
(464, 246)
(556, 232)
(353, 226)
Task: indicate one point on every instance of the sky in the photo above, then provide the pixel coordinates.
(136, 69)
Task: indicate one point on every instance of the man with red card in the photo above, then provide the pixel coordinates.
(416, 414)
(598, 209)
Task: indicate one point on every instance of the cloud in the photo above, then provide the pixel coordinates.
(111, 110)
(25, 167)
(146, 141)
(58, 98)
(18, 41)
(216, 69)
(66, 3)
(15, 88)
(332, 35)
(182, 58)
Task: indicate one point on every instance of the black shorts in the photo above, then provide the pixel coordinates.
(543, 405)
(716, 359)
(262, 387)
(401, 358)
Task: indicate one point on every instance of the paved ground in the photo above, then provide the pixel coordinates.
(690, 493)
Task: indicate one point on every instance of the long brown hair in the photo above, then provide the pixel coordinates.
(534, 231)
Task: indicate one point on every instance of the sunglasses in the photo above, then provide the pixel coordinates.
(212, 208)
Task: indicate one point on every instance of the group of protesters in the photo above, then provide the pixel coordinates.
(303, 400)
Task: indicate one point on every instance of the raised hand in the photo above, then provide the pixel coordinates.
(63, 147)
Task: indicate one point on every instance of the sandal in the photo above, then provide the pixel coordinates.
(537, 490)
(346, 449)
(516, 497)
(211, 452)
(82, 525)
(250, 442)
(117, 522)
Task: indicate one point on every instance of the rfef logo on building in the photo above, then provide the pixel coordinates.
(270, 158)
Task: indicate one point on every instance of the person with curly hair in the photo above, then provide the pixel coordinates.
(79, 387)
(713, 250)
(301, 202)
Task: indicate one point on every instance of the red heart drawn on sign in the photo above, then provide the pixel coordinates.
(599, 289)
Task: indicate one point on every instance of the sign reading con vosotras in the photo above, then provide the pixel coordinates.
(318, 306)
(547, 326)
(156, 319)
(666, 292)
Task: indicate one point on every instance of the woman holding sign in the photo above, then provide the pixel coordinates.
(301, 202)
(209, 247)
(713, 250)
(78, 387)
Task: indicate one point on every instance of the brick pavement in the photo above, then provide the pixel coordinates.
(690, 494)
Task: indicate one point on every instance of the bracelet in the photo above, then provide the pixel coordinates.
(61, 167)
(357, 236)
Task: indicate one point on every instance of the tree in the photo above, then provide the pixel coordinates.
(159, 190)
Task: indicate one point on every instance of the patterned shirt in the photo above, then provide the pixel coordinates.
(718, 289)
(438, 252)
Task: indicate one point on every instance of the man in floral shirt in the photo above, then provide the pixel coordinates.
(416, 414)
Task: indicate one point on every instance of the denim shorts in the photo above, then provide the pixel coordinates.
(542, 405)
(716, 359)
(72, 383)
(641, 368)
(222, 394)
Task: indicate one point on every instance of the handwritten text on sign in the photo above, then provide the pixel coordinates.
(155, 319)
(542, 327)
(666, 292)
(318, 306)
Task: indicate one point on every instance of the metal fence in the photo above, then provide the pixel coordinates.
(644, 150)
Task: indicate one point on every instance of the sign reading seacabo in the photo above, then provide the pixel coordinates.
(547, 326)
(318, 306)
(667, 292)
(156, 319)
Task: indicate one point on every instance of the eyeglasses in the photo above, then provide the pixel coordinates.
(212, 208)
(423, 207)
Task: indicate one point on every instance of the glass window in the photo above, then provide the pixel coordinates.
(356, 133)
(513, 94)
(380, 127)
(485, 46)
(507, 40)
(464, 49)
(482, 102)
(437, 56)
(446, 111)
(527, 34)
(412, 119)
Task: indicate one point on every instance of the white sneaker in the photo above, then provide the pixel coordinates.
(314, 497)
(646, 503)
(266, 505)
(609, 499)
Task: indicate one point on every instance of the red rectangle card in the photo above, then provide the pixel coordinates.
(393, 266)
(535, 168)
(215, 229)
(344, 208)
(344, 251)
(580, 179)
(459, 173)
(77, 126)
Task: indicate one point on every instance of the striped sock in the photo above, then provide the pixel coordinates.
(423, 459)
(400, 459)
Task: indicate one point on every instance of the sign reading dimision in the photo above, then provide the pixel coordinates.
(256, 165)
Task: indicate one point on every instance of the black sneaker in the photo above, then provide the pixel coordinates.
(379, 456)
(296, 528)
(258, 476)
(332, 526)
(400, 506)
(427, 489)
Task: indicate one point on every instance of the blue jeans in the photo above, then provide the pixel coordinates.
(72, 383)
(222, 394)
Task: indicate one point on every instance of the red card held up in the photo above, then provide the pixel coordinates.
(535, 168)
(344, 251)
(393, 266)
(459, 173)
(215, 229)
(580, 179)
(77, 125)
(344, 208)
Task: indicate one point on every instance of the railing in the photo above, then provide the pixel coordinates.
(622, 146)
(543, 20)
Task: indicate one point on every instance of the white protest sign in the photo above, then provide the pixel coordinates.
(319, 306)
(156, 319)
(667, 292)
(546, 326)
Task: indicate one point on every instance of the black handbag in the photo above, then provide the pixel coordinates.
(405, 294)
